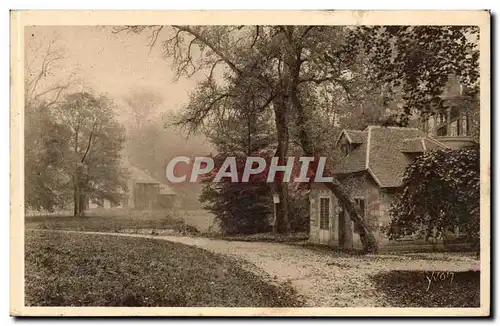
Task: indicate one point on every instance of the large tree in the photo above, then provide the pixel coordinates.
(83, 143)
(44, 185)
(240, 207)
(270, 66)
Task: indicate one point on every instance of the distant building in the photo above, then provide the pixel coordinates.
(144, 192)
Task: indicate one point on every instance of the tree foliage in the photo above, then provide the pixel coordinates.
(240, 207)
(44, 185)
(79, 155)
(440, 192)
(415, 62)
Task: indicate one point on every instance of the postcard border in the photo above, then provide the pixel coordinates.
(19, 19)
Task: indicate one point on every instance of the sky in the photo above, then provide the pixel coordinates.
(110, 63)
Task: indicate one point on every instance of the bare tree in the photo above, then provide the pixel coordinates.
(42, 93)
(90, 139)
(142, 106)
(40, 64)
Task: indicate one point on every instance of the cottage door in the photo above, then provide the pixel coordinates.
(340, 229)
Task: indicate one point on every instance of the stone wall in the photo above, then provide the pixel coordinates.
(377, 205)
(362, 186)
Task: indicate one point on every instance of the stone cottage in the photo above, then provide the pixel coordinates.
(372, 169)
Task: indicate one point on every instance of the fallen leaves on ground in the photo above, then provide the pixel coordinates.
(429, 288)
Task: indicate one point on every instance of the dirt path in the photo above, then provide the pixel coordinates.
(323, 278)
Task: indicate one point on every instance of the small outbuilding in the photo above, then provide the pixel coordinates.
(144, 192)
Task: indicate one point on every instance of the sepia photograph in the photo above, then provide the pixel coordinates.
(239, 163)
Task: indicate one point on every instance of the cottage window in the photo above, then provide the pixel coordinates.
(346, 148)
(324, 213)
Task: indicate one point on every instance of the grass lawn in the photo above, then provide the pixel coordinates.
(268, 237)
(445, 289)
(96, 270)
(110, 220)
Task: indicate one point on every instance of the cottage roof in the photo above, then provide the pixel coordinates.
(141, 176)
(354, 136)
(383, 152)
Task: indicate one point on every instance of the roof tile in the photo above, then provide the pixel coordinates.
(357, 136)
(387, 159)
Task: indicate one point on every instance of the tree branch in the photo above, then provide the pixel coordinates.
(42, 71)
(257, 28)
(210, 76)
(321, 80)
(307, 30)
(89, 142)
(154, 37)
(210, 45)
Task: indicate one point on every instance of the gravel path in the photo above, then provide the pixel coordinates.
(324, 278)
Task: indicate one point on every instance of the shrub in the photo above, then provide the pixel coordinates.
(440, 192)
(239, 207)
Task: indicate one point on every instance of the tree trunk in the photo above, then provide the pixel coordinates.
(76, 179)
(249, 134)
(83, 204)
(368, 240)
(79, 191)
(282, 224)
(76, 201)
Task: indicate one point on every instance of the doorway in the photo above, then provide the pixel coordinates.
(341, 233)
